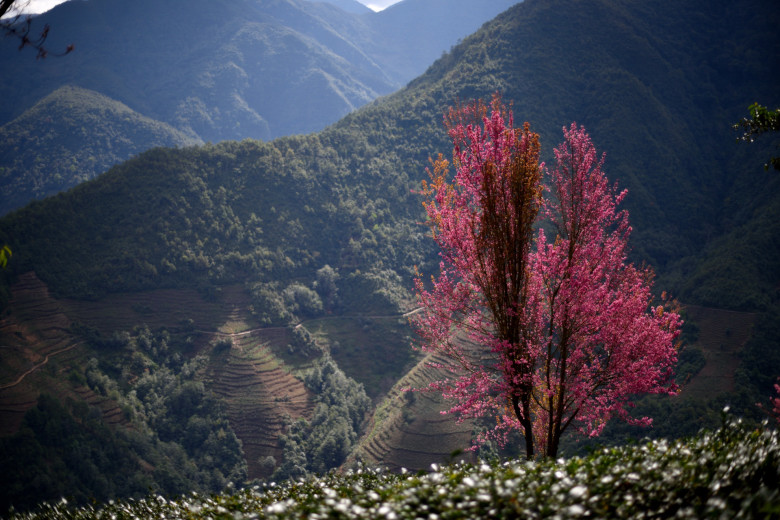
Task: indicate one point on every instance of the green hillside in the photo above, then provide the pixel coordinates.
(251, 212)
(355, 177)
(730, 473)
(70, 136)
(301, 250)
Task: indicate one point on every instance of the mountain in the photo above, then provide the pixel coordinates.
(277, 274)
(412, 34)
(350, 6)
(70, 136)
(220, 70)
(231, 70)
(215, 70)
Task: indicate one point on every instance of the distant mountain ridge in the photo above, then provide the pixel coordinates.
(186, 50)
(228, 69)
(349, 6)
(404, 53)
(197, 64)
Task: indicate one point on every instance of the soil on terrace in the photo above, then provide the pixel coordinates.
(257, 379)
(38, 351)
(36, 348)
(409, 431)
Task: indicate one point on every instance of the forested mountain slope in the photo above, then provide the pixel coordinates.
(321, 234)
(209, 68)
(680, 76)
(216, 70)
(71, 136)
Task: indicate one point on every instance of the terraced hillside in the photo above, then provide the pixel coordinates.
(408, 429)
(252, 369)
(160, 308)
(255, 375)
(40, 348)
(37, 350)
(261, 393)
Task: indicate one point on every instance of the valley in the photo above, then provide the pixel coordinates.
(261, 382)
(232, 304)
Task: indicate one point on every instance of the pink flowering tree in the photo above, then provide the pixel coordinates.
(536, 313)
(775, 402)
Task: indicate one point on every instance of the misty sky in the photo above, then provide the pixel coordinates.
(378, 5)
(40, 6)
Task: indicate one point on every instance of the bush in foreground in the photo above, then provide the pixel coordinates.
(733, 472)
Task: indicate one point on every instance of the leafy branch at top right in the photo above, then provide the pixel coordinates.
(761, 120)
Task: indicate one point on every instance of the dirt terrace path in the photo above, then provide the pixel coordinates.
(39, 365)
(214, 333)
(303, 323)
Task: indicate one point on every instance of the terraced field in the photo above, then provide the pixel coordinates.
(256, 376)
(160, 308)
(38, 351)
(35, 349)
(260, 393)
(408, 429)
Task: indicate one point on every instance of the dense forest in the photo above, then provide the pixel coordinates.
(324, 227)
(178, 428)
(71, 136)
(690, 189)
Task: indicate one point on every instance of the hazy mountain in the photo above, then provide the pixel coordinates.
(411, 34)
(215, 70)
(221, 70)
(248, 68)
(71, 136)
(263, 261)
(349, 6)
(405, 38)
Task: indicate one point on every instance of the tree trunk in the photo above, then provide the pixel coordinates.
(524, 416)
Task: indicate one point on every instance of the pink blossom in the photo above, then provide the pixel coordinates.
(537, 313)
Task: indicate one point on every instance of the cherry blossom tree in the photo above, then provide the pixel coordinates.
(536, 312)
(775, 402)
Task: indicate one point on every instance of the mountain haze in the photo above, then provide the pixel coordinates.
(206, 51)
(349, 6)
(223, 70)
(197, 65)
(412, 34)
(276, 275)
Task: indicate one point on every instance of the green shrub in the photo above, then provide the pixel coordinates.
(733, 472)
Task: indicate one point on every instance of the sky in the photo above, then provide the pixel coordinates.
(40, 6)
(378, 5)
